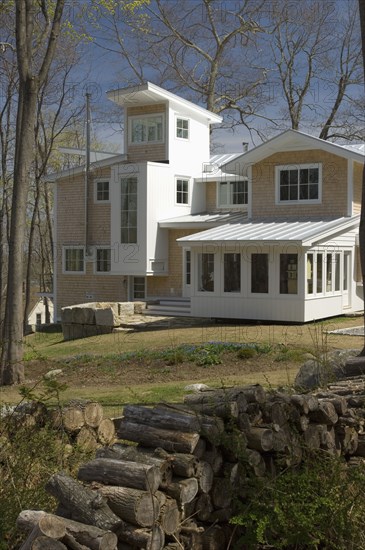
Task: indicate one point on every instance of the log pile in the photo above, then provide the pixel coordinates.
(175, 486)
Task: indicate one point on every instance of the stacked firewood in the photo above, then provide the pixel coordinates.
(84, 423)
(176, 488)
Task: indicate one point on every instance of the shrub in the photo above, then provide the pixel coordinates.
(320, 505)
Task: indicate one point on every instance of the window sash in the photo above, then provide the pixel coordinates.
(259, 273)
(146, 129)
(232, 272)
(102, 190)
(206, 272)
(74, 260)
(233, 193)
(182, 191)
(288, 273)
(300, 183)
(182, 128)
(129, 210)
(103, 260)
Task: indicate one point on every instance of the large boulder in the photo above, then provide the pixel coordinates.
(321, 371)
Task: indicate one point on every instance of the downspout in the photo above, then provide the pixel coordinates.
(87, 172)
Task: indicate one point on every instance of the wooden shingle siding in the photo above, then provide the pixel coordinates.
(147, 151)
(161, 286)
(358, 168)
(73, 289)
(211, 196)
(334, 186)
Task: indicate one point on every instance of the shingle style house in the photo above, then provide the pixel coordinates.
(270, 234)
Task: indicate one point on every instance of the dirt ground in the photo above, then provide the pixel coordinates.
(287, 348)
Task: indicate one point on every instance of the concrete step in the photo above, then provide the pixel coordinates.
(167, 311)
(175, 303)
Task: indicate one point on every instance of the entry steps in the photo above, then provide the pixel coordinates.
(165, 307)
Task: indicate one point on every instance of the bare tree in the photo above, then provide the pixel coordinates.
(315, 48)
(205, 50)
(37, 29)
(266, 65)
(56, 113)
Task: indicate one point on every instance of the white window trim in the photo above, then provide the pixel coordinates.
(325, 293)
(96, 200)
(177, 117)
(72, 247)
(145, 116)
(230, 205)
(214, 292)
(281, 167)
(102, 247)
(188, 179)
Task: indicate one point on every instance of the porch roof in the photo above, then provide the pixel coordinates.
(204, 219)
(304, 232)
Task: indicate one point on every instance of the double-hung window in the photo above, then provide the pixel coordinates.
(182, 128)
(102, 191)
(103, 260)
(146, 129)
(299, 183)
(232, 193)
(182, 191)
(74, 260)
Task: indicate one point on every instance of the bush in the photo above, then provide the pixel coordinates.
(320, 505)
(29, 454)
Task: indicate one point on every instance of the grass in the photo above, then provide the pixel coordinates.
(276, 350)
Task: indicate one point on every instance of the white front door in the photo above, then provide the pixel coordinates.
(186, 272)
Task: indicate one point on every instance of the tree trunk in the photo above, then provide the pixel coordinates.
(12, 368)
(362, 215)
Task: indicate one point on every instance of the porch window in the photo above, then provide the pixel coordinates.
(232, 193)
(206, 272)
(337, 271)
(146, 129)
(346, 266)
(319, 273)
(297, 183)
(288, 273)
(309, 273)
(103, 260)
(74, 260)
(232, 272)
(182, 128)
(329, 273)
(260, 273)
(129, 210)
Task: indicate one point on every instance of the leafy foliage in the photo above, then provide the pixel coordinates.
(319, 505)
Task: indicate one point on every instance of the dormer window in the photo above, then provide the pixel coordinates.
(146, 129)
(182, 128)
(298, 183)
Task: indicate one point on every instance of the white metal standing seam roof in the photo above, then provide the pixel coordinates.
(303, 232)
(205, 218)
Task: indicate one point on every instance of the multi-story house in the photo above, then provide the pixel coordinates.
(270, 234)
